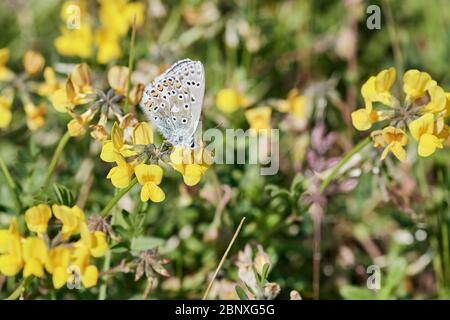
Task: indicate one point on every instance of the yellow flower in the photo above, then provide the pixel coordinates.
(95, 241)
(377, 138)
(108, 45)
(117, 137)
(150, 176)
(376, 89)
(117, 15)
(362, 119)
(75, 42)
(34, 254)
(192, 164)
(77, 126)
(422, 131)
(71, 219)
(50, 85)
(89, 277)
(37, 218)
(108, 153)
(57, 264)
(294, 104)
(35, 116)
(121, 174)
(78, 90)
(88, 272)
(438, 98)
(395, 139)
(259, 118)
(33, 62)
(118, 78)
(5, 108)
(5, 73)
(229, 100)
(11, 258)
(142, 134)
(415, 83)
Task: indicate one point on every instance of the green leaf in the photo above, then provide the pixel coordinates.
(241, 293)
(63, 195)
(265, 271)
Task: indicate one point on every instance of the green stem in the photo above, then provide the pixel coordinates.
(343, 161)
(56, 156)
(117, 197)
(19, 290)
(130, 63)
(104, 285)
(393, 36)
(11, 185)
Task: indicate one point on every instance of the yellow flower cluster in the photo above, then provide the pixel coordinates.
(78, 90)
(33, 63)
(117, 150)
(191, 163)
(423, 111)
(131, 147)
(59, 257)
(115, 17)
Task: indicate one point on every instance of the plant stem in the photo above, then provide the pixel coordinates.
(343, 161)
(318, 222)
(11, 185)
(316, 256)
(56, 156)
(205, 295)
(19, 290)
(393, 36)
(130, 62)
(117, 197)
(104, 285)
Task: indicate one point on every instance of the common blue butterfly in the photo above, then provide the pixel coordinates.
(173, 101)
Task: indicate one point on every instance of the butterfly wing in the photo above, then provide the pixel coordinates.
(173, 101)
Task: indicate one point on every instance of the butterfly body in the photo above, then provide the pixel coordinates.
(173, 101)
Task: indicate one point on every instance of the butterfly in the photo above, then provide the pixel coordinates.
(173, 101)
